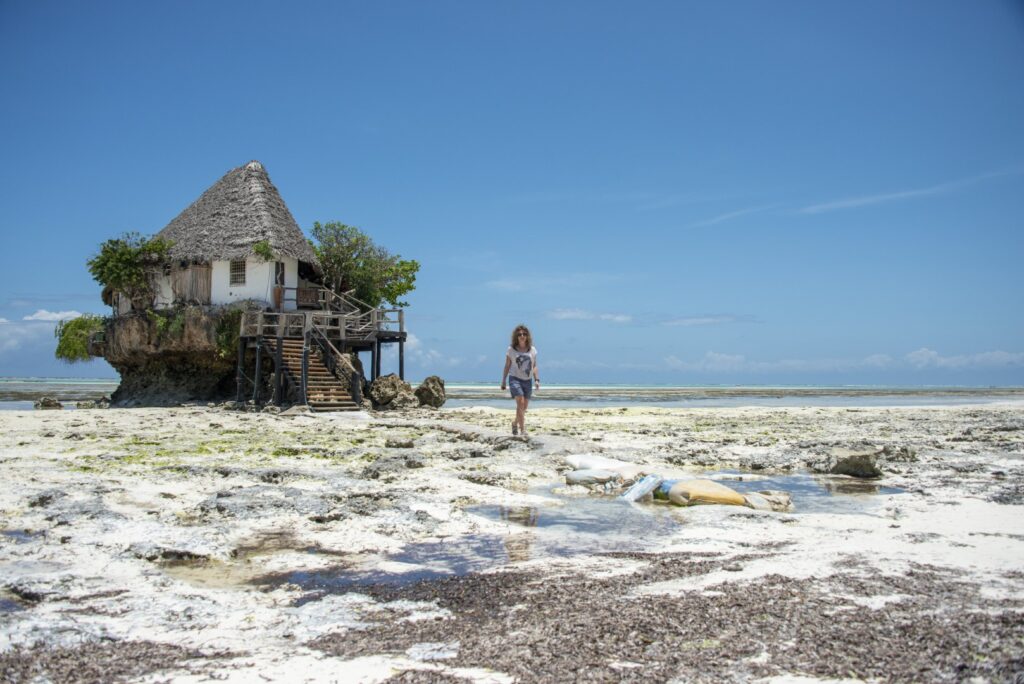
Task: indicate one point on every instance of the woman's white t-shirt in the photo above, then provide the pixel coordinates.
(522, 363)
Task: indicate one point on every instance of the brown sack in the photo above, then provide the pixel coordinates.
(693, 492)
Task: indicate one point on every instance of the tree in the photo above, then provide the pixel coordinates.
(126, 264)
(73, 337)
(353, 263)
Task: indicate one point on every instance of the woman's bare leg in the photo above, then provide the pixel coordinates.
(521, 412)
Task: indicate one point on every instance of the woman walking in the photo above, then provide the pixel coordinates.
(521, 372)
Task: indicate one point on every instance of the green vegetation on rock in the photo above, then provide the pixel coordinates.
(125, 264)
(73, 337)
(351, 262)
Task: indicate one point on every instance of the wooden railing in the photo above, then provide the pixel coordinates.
(342, 317)
(332, 359)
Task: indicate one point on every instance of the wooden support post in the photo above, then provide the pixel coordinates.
(401, 358)
(256, 374)
(380, 349)
(240, 371)
(373, 362)
(278, 360)
(305, 371)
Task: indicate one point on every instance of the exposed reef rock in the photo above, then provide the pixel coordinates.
(391, 392)
(174, 356)
(431, 392)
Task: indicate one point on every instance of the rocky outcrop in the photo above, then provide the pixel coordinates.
(391, 392)
(169, 357)
(431, 392)
(48, 403)
(858, 461)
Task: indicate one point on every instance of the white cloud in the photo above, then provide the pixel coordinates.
(4, 320)
(555, 284)
(940, 189)
(417, 353)
(710, 319)
(728, 216)
(928, 358)
(584, 315)
(16, 335)
(44, 315)
(920, 359)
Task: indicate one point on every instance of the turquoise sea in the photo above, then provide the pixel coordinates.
(20, 393)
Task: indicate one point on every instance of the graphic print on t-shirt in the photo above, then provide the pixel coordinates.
(524, 365)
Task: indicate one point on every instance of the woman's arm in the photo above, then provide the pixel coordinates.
(504, 373)
(536, 371)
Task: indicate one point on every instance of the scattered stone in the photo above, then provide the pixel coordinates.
(861, 462)
(398, 443)
(431, 392)
(48, 403)
(591, 476)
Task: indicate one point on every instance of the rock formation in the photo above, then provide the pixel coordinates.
(431, 392)
(164, 359)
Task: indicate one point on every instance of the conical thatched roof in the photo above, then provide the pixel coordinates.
(238, 211)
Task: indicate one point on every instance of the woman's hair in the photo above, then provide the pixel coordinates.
(515, 336)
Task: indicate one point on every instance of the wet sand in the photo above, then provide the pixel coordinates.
(194, 544)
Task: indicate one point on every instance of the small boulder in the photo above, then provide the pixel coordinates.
(391, 392)
(769, 500)
(45, 403)
(431, 392)
(860, 462)
(590, 476)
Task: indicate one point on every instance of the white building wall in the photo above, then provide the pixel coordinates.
(259, 282)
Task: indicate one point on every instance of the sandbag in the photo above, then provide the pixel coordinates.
(694, 492)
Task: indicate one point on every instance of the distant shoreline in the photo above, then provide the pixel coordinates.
(19, 390)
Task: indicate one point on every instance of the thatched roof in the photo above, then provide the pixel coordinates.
(238, 211)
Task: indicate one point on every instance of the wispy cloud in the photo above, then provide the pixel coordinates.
(929, 358)
(44, 315)
(708, 319)
(729, 216)
(940, 189)
(556, 283)
(584, 315)
(917, 360)
(14, 335)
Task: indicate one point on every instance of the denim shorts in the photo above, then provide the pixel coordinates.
(520, 388)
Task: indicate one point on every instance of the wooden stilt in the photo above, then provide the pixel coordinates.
(240, 371)
(401, 359)
(278, 361)
(256, 374)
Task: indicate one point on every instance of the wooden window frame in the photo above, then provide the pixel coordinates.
(236, 274)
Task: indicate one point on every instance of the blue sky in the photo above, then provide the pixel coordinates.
(666, 192)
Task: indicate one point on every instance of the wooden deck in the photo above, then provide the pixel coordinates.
(340, 324)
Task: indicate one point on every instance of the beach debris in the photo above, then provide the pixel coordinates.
(591, 476)
(431, 392)
(696, 492)
(46, 403)
(641, 488)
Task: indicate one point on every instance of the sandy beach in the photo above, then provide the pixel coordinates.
(203, 544)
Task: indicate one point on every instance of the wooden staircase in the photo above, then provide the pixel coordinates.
(324, 392)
